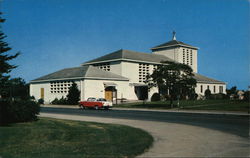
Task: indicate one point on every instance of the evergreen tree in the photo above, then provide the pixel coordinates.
(5, 67)
(74, 95)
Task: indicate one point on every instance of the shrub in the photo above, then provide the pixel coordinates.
(18, 111)
(246, 96)
(55, 101)
(62, 101)
(156, 97)
(218, 96)
(41, 101)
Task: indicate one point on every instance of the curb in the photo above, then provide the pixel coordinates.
(187, 111)
(161, 110)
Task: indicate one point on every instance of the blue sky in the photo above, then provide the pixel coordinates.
(56, 34)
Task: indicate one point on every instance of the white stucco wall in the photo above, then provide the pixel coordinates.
(177, 55)
(35, 90)
(211, 87)
(171, 53)
(130, 70)
(116, 67)
(95, 88)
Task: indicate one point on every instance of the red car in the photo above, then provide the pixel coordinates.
(95, 103)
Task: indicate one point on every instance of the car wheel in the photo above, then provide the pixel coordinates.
(106, 108)
(96, 107)
(81, 107)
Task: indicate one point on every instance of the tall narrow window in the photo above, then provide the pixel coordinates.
(221, 89)
(214, 89)
(183, 56)
(201, 89)
(191, 58)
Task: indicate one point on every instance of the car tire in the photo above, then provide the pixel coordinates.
(106, 108)
(96, 107)
(80, 107)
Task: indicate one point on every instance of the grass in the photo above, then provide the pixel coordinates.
(220, 105)
(48, 138)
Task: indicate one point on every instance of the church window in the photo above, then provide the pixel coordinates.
(191, 58)
(143, 71)
(201, 89)
(214, 89)
(221, 89)
(60, 87)
(183, 57)
(103, 66)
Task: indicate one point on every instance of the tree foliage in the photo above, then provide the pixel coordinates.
(74, 95)
(174, 80)
(208, 93)
(5, 66)
(15, 88)
(232, 92)
(18, 110)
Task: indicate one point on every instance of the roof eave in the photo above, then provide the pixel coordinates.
(174, 45)
(131, 60)
(210, 82)
(78, 78)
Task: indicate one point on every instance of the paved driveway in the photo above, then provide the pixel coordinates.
(173, 139)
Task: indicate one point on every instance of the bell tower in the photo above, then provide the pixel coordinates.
(178, 51)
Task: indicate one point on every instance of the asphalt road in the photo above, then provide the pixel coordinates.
(233, 124)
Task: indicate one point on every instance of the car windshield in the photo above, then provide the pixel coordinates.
(91, 99)
(101, 99)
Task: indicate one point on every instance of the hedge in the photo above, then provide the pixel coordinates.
(18, 111)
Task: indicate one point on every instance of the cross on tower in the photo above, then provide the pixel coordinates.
(174, 35)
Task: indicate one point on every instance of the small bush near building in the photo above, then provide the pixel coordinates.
(41, 101)
(62, 101)
(246, 96)
(218, 96)
(156, 97)
(18, 111)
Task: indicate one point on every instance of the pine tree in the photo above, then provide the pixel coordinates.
(74, 95)
(5, 67)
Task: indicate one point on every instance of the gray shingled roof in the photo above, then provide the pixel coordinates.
(130, 55)
(172, 43)
(203, 79)
(80, 72)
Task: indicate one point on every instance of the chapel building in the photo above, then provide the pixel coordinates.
(121, 74)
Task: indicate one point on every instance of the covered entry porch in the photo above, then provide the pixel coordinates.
(110, 91)
(141, 90)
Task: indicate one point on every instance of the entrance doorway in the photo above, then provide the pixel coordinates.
(141, 92)
(110, 93)
(42, 93)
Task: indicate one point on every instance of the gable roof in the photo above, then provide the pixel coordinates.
(173, 43)
(80, 73)
(203, 79)
(127, 55)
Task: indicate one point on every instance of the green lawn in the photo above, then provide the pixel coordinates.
(226, 105)
(51, 138)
